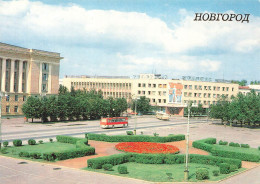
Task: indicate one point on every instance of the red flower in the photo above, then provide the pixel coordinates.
(146, 147)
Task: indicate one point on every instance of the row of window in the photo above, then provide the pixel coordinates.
(7, 109)
(7, 98)
(153, 100)
(209, 88)
(160, 93)
(143, 85)
(102, 85)
(117, 94)
(195, 102)
(205, 95)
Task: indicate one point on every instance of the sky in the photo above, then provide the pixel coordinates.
(130, 37)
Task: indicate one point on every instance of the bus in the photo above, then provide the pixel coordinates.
(162, 116)
(114, 122)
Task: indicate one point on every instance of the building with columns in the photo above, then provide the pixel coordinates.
(26, 72)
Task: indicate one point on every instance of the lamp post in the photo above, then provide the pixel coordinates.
(135, 114)
(186, 171)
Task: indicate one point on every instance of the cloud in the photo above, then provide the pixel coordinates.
(73, 24)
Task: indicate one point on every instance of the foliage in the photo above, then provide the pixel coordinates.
(122, 169)
(195, 111)
(51, 140)
(234, 144)
(5, 143)
(222, 142)
(97, 163)
(129, 132)
(233, 168)
(215, 172)
(31, 142)
(242, 108)
(142, 105)
(40, 141)
(73, 105)
(202, 174)
(136, 138)
(241, 83)
(224, 168)
(229, 152)
(107, 167)
(17, 142)
(245, 146)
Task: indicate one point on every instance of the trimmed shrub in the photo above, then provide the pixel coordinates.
(224, 168)
(17, 142)
(51, 140)
(40, 141)
(215, 172)
(107, 167)
(24, 154)
(136, 138)
(204, 144)
(259, 148)
(234, 144)
(97, 163)
(70, 140)
(245, 146)
(129, 133)
(233, 168)
(202, 174)
(5, 143)
(49, 156)
(35, 155)
(222, 142)
(122, 169)
(31, 142)
(3, 150)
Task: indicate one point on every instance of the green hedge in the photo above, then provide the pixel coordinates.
(68, 139)
(81, 149)
(97, 163)
(207, 145)
(135, 138)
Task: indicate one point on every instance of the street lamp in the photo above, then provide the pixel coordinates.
(135, 114)
(186, 171)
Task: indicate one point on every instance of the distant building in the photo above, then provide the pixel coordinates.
(172, 95)
(247, 89)
(26, 72)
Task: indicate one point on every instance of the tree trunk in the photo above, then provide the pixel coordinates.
(32, 120)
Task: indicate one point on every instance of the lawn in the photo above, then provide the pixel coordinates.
(157, 172)
(41, 148)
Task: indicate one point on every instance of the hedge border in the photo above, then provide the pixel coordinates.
(134, 138)
(207, 145)
(97, 163)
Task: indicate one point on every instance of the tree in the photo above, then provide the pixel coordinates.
(63, 90)
(142, 105)
(32, 108)
(52, 108)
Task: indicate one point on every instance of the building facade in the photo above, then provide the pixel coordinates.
(25, 72)
(171, 95)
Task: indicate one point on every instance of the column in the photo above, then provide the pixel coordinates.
(3, 74)
(49, 79)
(28, 76)
(12, 76)
(40, 79)
(20, 80)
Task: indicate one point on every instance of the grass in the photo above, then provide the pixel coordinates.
(238, 149)
(158, 172)
(45, 147)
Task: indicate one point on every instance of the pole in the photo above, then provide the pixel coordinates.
(135, 117)
(0, 120)
(186, 171)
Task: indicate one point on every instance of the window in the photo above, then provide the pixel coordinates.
(144, 85)
(44, 87)
(199, 102)
(185, 93)
(227, 88)
(209, 95)
(196, 87)
(159, 100)
(153, 100)
(205, 95)
(195, 94)
(164, 100)
(164, 93)
(205, 88)
(190, 94)
(7, 98)
(45, 77)
(149, 85)
(190, 86)
(232, 89)
(24, 98)
(214, 95)
(199, 94)
(7, 109)
(185, 86)
(200, 87)
(139, 92)
(139, 85)
(16, 64)
(223, 88)
(154, 85)
(15, 108)
(149, 92)
(143, 92)
(209, 87)
(16, 98)
(165, 86)
(214, 88)
(45, 66)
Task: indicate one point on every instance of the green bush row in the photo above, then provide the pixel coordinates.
(70, 140)
(206, 144)
(17, 142)
(34, 155)
(136, 138)
(223, 142)
(97, 163)
(234, 144)
(72, 153)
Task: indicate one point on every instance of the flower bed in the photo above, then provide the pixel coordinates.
(146, 147)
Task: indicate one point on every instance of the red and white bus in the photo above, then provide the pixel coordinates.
(114, 122)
